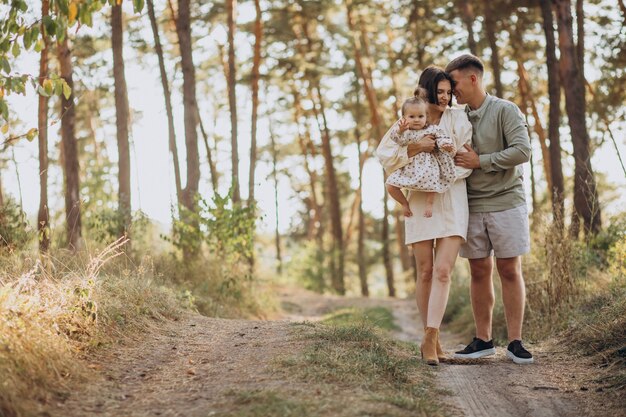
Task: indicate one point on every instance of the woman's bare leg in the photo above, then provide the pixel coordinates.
(446, 253)
(430, 198)
(423, 252)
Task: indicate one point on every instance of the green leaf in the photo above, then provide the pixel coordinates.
(63, 6)
(42, 91)
(27, 39)
(67, 91)
(50, 25)
(58, 86)
(48, 87)
(16, 49)
(31, 134)
(4, 64)
(138, 4)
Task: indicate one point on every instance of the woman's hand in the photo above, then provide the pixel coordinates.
(427, 144)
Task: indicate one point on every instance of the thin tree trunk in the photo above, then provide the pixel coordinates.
(529, 101)
(375, 121)
(585, 192)
(190, 108)
(490, 28)
(232, 98)
(315, 226)
(360, 254)
(209, 154)
(168, 100)
(43, 215)
(122, 115)
(332, 196)
(256, 63)
(468, 19)
(279, 258)
(580, 38)
(554, 117)
(70, 153)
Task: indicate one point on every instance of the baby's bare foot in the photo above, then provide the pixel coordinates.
(428, 212)
(407, 211)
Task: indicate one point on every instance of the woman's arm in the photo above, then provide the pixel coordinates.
(462, 136)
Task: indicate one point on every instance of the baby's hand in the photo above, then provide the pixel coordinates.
(403, 125)
(406, 210)
(448, 147)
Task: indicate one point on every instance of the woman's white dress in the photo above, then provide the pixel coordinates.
(450, 212)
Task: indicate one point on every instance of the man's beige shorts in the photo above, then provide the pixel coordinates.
(504, 232)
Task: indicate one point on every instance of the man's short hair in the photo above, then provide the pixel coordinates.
(466, 61)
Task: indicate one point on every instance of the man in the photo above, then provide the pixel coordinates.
(498, 220)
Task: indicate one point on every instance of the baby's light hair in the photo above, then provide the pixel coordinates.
(420, 96)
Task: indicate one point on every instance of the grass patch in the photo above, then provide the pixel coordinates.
(384, 377)
(60, 310)
(378, 317)
(262, 403)
(598, 330)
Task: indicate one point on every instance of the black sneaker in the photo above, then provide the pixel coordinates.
(477, 349)
(518, 353)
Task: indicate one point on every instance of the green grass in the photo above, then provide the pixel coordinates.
(378, 317)
(383, 376)
(261, 403)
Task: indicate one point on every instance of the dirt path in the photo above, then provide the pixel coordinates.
(191, 367)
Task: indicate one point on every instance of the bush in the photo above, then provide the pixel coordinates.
(15, 232)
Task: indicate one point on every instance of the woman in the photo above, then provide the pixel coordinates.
(435, 240)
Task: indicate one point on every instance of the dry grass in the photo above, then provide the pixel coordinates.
(58, 311)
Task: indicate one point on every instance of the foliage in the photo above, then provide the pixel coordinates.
(307, 265)
(227, 230)
(104, 224)
(15, 231)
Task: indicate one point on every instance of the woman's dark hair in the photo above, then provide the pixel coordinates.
(429, 80)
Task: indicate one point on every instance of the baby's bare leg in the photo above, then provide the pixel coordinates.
(430, 198)
(397, 194)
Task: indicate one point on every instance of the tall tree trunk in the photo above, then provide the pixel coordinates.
(209, 154)
(256, 63)
(580, 38)
(168, 100)
(122, 115)
(529, 101)
(585, 192)
(279, 258)
(554, 117)
(467, 14)
(490, 28)
(332, 196)
(70, 153)
(190, 107)
(375, 120)
(333, 199)
(306, 147)
(232, 98)
(360, 252)
(43, 216)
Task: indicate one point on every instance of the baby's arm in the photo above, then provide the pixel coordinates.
(445, 142)
(399, 136)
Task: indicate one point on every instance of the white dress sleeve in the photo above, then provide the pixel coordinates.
(391, 155)
(462, 133)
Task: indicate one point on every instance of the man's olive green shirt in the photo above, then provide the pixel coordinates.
(500, 137)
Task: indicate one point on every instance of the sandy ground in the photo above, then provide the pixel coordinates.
(188, 367)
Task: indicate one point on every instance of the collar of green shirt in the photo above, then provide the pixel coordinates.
(479, 112)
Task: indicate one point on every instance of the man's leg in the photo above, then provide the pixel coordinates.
(513, 294)
(482, 295)
(423, 252)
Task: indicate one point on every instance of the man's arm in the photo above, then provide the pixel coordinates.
(517, 152)
(516, 134)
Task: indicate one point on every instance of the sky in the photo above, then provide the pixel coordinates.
(152, 176)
